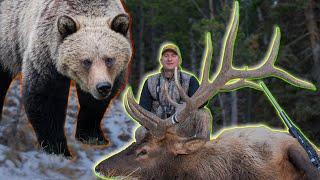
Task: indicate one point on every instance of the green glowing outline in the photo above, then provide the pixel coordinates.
(251, 84)
(275, 38)
(278, 108)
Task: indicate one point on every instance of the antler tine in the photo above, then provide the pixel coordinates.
(273, 49)
(200, 96)
(139, 113)
(282, 74)
(266, 65)
(240, 83)
(225, 63)
(207, 60)
(182, 110)
(138, 117)
(182, 93)
(171, 101)
(267, 68)
(226, 56)
(154, 129)
(226, 72)
(228, 77)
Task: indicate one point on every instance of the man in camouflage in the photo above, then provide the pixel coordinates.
(154, 100)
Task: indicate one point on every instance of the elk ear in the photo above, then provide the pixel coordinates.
(140, 134)
(67, 25)
(189, 146)
(120, 24)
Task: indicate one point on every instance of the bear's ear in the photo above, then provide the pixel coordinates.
(67, 25)
(120, 24)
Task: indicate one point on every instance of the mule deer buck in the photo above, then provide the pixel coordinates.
(239, 153)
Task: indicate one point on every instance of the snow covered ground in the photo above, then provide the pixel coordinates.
(21, 159)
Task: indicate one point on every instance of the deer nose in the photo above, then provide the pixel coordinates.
(103, 88)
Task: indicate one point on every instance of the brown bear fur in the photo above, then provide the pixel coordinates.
(53, 41)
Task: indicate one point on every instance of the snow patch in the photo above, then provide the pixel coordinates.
(21, 159)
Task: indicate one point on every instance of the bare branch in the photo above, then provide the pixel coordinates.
(198, 8)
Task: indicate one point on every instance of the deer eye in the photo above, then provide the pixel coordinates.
(109, 62)
(86, 63)
(142, 152)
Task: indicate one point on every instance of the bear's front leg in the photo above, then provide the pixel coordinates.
(45, 99)
(5, 80)
(89, 118)
(92, 111)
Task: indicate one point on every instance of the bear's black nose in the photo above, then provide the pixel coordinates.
(103, 88)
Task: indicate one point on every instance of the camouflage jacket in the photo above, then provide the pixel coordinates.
(153, 97)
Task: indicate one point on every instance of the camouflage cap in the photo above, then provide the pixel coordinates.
(170, 46)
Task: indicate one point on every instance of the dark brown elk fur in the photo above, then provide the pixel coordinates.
(239, 153)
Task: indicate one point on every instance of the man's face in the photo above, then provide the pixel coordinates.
(170, 60)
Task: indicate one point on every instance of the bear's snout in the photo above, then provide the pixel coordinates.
(104, 88)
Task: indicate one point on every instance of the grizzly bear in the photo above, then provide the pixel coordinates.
(54, 41)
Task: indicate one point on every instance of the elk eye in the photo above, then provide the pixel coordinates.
(86, 63)
(109, 62)
(142, 152)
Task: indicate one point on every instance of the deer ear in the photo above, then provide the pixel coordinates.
(189, 146)
(67, 25)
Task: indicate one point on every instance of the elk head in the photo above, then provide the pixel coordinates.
(162, 152)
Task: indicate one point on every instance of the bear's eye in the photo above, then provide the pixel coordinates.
(86, 63)
(109, 62)
(142, 152)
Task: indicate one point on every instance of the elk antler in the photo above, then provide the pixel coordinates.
(150, 121)
(226, 78)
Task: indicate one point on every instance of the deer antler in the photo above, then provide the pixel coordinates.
(226, 78)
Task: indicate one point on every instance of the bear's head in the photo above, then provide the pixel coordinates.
(94, 51)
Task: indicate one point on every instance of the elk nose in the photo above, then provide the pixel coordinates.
(98, 168)
(103, 88)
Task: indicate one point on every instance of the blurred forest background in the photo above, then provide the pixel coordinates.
(185, 22)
